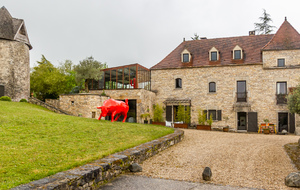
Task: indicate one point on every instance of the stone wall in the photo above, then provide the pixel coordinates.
(144, 99)
(53, 102)
(261, 88)
(292, 58)
(15, 69)
(84, 104)
(48, 106)
(95, 174)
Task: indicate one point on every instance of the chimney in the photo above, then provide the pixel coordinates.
(252, 33)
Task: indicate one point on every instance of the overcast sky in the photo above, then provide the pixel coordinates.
(121, 32)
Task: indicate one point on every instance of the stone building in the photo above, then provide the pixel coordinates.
(245, 79)
(14, 57)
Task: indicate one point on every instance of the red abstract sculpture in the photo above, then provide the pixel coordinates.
(112, 108)
(133, 83)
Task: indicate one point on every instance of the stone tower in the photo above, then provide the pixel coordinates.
(14, 57)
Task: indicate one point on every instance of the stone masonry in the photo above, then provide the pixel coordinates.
(15, 70)
(84, 104)
(260, 81)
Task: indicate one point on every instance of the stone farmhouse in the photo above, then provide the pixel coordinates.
(14, 57)
(243, 79)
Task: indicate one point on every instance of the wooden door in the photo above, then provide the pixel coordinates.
(252, 122)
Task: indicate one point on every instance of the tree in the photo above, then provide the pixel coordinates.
(294, 100)
(67, 68)
(264, 27)
(88, 69)
(196, 37)
(46, 81)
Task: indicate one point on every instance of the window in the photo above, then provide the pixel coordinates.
(212, 113)
(237, 54)
(214, 56)
(178, 83)
(212, 87)
(281, 92)
(186, 58)
(216, 114)
(241, 91)
(280, 62)
(281, 88)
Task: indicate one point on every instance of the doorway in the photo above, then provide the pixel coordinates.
(1, 90)
(242, 121)
(283, 122)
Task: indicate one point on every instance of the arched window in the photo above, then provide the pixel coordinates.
(178, 83)
(212, 87)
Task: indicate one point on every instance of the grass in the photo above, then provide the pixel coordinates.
(35, 142)
(293, 150)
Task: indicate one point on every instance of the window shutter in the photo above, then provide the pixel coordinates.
(205, 112)
(169, 113)
(219, 115)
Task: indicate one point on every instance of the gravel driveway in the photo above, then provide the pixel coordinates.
(245, 160)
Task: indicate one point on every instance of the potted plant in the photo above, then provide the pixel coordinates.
(266, 130)
(145, 116)
(226, 128)
(182, 117)
(202, 121)
(158, 115)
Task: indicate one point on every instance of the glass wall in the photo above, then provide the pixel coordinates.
(126, 77)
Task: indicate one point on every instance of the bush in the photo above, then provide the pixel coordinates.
(201, 117)
(23, 100)
(5, 98)
(158, 113)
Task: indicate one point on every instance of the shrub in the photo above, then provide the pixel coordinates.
(201, 117)
(5, 98)
(180, 113)
(23, 100)
(210, 121)
(158, 113)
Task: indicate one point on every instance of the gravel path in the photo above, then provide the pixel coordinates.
(244, 160)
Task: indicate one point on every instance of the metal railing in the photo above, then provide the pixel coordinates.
(241, 96)
(281, 98)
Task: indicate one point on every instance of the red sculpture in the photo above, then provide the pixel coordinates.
(133, 83)
(112, 108)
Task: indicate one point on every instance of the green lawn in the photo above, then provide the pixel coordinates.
(35, 142)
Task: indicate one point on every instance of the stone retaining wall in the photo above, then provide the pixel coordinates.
(95, 174)
(53, 102)
(48, 106)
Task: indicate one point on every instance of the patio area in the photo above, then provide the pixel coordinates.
(245, 160)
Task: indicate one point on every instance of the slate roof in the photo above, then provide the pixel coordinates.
(10, 28)
(285, 38)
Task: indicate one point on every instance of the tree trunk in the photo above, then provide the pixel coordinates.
(86, 86)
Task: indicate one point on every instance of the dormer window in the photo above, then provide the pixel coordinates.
(237, 52)
(185, 56)
(213, 54)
